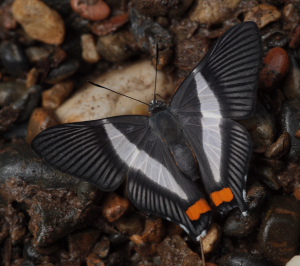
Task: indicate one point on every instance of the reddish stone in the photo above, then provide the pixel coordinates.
(276, 66)
(295, 39)
(115, 207)
(92, 10)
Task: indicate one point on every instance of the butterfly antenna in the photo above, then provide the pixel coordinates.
(202, 251)
(156, 63)
(97, 85)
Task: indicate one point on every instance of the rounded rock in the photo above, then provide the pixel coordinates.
(263, 14)
(39, 21)
(89, 49)
(291, 86)
(280, 147)
(92, 10)
(276, 66)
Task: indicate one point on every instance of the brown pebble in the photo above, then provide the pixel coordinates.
(7, 20)
(212, 239)
(280, 147)
(97, 10)
(154, 231)
(32, 77)
(263, 14)
(115, 207)
(89, 49)
(102, 247)
(276, 66)
(110, 25)
(94, 260)
(298, 134)
(295, 39)
(56, 95)
(39, 21)
(40, 119)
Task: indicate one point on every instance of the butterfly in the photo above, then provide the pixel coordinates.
(189, 157)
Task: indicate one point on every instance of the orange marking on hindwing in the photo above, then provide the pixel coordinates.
(194, 212)
(224, 195)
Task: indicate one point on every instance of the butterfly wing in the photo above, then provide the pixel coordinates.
(222, 87)
(104, 151)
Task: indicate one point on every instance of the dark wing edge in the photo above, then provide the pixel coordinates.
(227, 77)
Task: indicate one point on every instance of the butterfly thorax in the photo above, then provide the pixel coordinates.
(156, 106)
(167, 128)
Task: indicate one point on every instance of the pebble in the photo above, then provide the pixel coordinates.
(295, 39)
(81, 243)
(280, 147)
(94, 260)
(13, 58)
(116, 46)
(129, 225)
(32, 77)
(212, 12)
(238, 225)
(245, 259)
(92, 10)
(135, 80)
(89, 49)
(64, 71)
(114, 207)
(275, 67)
(102, 247)
(212, 239)
(41, 22)
(263, 14)
(8, 115)
(174, 251)
(290, 123)
(291, 86)
(295, 261)
(56, 95)
(111, 25)
(37, 53)
(290, 17)
(40, 119)
(279, 232)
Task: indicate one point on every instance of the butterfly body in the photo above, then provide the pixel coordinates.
(189, 157)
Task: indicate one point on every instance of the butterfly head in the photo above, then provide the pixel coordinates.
(156, 106)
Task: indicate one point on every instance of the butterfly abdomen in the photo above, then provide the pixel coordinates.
(167, 128)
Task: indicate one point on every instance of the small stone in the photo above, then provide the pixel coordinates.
(297, 134)
(94, 260)
(291, 17)
(291, 87)
(81, 243)
(89, 49)
(280, 147)
(55, 96)
(263, 14)
(276, 66)
(102, 247)
(114, 207)
(174, 251)
(295, 39)
(135, 80)
(39, 21)
(40, 119)
(37, 53)
(92, 10)
(7, 20)
(108, 26)
(8, 115)
(129, 225)
(32, 77)
(212, 11)
(211, 240)
(295, 261)
(280, 230)
(245, 259)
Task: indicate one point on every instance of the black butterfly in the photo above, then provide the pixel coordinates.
(184, 148)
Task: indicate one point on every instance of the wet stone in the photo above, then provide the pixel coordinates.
(48, 28)
(263, 14)
(114, 207)
(8, 115)
(276, 66)
(40, 119)
(280, 147)
(291, 86)
(57, 94)
(256, 195)
(280, 230)
(89, 49)
(14, 59)
(37, 53)
(62, 72)
(291, 123)
(245, 259)
(81, 243)
(239, 225)
(174, 251)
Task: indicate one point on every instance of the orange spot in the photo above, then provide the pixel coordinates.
(194, 212)
(224, 195)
